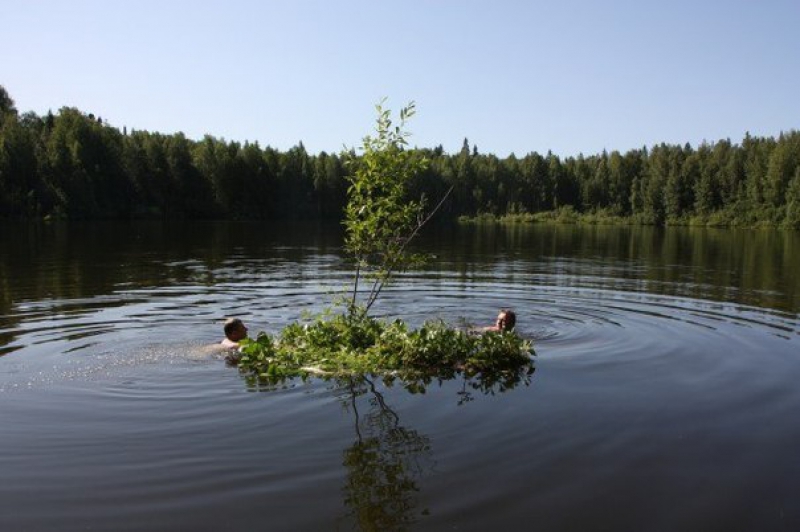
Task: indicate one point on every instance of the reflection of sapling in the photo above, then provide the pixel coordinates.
(380, 222)
(383, 465)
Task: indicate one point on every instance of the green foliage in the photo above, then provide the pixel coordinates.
(380, 222)
(562, 215)
(379, 218)
(7, 107)
(345, 346)
(73, 165)
(792, 219)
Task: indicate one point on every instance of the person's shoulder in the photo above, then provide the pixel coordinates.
(228, 344)
(213, 348)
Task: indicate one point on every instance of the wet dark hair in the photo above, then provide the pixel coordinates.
(232, 325)
(511, 318)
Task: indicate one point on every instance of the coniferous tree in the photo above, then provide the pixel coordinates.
(792, 218)
(75, 165)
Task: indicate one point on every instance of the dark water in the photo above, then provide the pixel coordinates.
(665, 396)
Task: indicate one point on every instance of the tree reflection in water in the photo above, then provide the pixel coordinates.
(387, 460)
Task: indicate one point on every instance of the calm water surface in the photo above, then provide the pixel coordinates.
(665, 395)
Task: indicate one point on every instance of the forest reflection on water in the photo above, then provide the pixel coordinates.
(754, 267)
(78, 260)
(664, 396)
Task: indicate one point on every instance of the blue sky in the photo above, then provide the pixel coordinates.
(512, 76)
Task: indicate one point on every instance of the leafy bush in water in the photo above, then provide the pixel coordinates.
(380, 223)
(343, 346)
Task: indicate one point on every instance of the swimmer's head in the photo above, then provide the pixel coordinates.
(506, 320)
(235, 330)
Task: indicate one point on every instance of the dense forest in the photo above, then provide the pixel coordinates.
(74, 165)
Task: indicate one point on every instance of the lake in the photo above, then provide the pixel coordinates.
(665, 395)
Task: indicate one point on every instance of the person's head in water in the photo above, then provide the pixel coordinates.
(506, 320)
(235, 330)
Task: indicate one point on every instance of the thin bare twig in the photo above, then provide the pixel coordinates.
(355, 286)
(378, 285)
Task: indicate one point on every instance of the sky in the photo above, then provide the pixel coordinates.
(517, 76)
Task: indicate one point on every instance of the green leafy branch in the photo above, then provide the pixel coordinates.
(380, 219)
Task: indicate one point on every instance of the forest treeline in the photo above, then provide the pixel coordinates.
(74, 165)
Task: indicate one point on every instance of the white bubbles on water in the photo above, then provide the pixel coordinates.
(103, 364)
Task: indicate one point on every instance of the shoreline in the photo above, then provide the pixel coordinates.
(568, 216)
